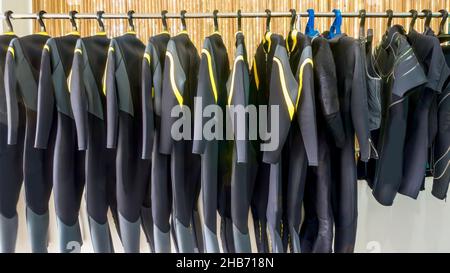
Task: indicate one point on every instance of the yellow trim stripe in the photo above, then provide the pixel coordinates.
(211, 73)
(287, 98)
(46, 47)
(69, 81)
(131, 32)
(230, 97)
(255, 71)
(13, 52)
(183, 32)
(147, 57)
(101, 33)
(79, 51)
(42, 33)
(76, 33)
(111, 49)
(294, 41)
(176, 92)
(164, 32)
(300, 86)
(9, 33)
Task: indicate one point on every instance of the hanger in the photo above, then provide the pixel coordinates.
(164, 20)
(101, 25)
(216, 21)
(309, 30)
(8, 21)
(72, 19)
(183, 20)
(40, 20)
(442, 36)
(130, 21)
(239, 20)
(268, 18)
(335, 28)
(414, 15)
(362, 24)
(428, 15)
(390, 15)
(291, 40)
(293, 18)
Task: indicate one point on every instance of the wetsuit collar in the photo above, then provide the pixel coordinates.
(100, 33)
(74, 33)
(9, 33)
(43, 33)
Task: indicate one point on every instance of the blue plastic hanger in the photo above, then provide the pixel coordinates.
(309, 30)
(335, 28)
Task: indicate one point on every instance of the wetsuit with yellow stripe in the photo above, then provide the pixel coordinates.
(22, 68)
(216, 153)
(68, 162)
(89, 111)
(179, 89)
(123, 87)
(10, 164)
(152, 81)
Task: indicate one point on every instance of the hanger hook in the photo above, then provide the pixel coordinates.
(390, 15)
(216, 21)
(414, 15)
(362, 23)
(293, 18)
(8, 20)
(73, 21)
(269, 17)
(428, 15)
(130, 20)
(239, 20)
(443, 21)
(100, 20)
(40, 18)
(183, 19)
(164, 20)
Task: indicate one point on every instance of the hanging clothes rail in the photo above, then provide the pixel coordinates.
(18, 16)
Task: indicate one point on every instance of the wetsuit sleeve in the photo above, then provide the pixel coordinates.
(306, 113)
(46, 100)
(173, 87)
(112, 106)
(78, 96)
(11, 95)
(206, 95)
(147, 106)
(359, 105)
(326, 80)
(284, 93)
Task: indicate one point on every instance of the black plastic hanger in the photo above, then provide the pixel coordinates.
(414, 15)
(183, 20)
(428, 15)
(72, 19)
(8, 21)
(130, 21)
(101, 25)
(269, 17)
(40, 19)
(216, 20)
(293, 18)
(442, 36)
(239, 20)
(390, 15)
(164, 20)
(362, 24)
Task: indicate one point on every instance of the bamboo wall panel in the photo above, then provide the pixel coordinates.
(253, 27)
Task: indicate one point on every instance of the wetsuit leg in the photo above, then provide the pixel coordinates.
(11, 160)
(274, 207)
(147, 218)
(309, 227)
(68, 174)
(259, 206)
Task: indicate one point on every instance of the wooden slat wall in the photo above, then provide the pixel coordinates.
(253, 27)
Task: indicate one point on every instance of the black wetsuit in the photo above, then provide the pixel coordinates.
(352, 92)
(179, 88)
(124, 132)
(68, 162)
(316, 233)
(22, 68)
(441, 151)
(11, 159)
(89, 111)
(402, 75)
(216, 153)
(161, 195)
(429, 53)
(242, 179)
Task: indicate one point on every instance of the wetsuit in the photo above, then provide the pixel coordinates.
(352, 92)
(89, 111)
(402, 76)
(179, 89)
(22, 68)
(11, 158)
(441, 151)
(316, 234)
(429, 53)
(124, 132)
(216, 153)
(242, 178)
(161, 196)
(68, 171)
